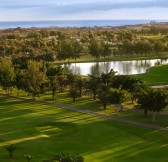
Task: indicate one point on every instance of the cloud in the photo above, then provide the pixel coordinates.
(83, 4)
(103, 6)
(84, 9)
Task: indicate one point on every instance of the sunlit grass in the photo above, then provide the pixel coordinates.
(156, 75)
(43, 131)
(89, 58)
(87, 103)
(155, 37)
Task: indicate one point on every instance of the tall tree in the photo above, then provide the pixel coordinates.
(76, 49)
(153, 100)
(35, 76)
(74, 94)
(71, 80)
(7, 74)
(53, 85)
(116, 97)
(93, 84)
(95, 48)
(103, 94)
(54, 71)
(80, 84)
(106, 50)
(158, 47)
(64, 49)
(61, 79)
(106, 78)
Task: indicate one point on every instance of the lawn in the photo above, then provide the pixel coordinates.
(89, 58)
(43, 131)
(157, 75)
(155, 37)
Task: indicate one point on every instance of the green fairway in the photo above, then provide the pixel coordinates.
(156, 75)
(43, 131)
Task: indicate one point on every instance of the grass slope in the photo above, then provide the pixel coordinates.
(42, 131)
(156, 75)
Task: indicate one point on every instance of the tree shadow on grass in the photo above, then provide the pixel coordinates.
(67, 131)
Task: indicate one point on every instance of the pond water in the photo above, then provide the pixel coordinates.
(121, 67)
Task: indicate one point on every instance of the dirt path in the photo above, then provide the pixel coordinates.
(60, 105)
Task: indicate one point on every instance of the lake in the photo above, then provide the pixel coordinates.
(122, 67)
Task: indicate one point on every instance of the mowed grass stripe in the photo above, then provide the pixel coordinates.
(42, 131)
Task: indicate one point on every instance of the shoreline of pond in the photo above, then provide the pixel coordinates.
(130, 67)
(89, 59)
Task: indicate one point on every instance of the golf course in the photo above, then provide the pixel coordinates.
(43, 131)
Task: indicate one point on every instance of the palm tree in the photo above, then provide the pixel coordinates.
(93, 84)
(104, 94)
(80, 83)
(71, 79)
(28, 157)
(107, 78)
(53, 86)
(74, 94)
(68, 158)
(61, 82)
(11, 148)
(116, 97)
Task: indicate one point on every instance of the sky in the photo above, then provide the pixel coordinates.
(20, 10)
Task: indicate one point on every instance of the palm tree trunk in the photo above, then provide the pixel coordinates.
(74, 99)
(105, 105)
(146, 112)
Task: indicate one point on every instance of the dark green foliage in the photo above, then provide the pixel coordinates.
(71, 80)
(103, 94)
(106, 49)
(138, 88)
(20, 62)
(158, 47)
(11, 148)
(7, 74)
(80, 84)
(35, 77)
(117, 96)
(76, 49)
(126, 82)
(47, 57)
(68, 158)
(95, 48)
(28, 157)
(63, 50)
(106, 78)
(93, 85)
(54, 70)
(74, 94)
(153, 100)
(53, 85)
(20, 81)
(45, 160)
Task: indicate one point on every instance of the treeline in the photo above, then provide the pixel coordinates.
(141, 47)
(65, 44)
(62, 157)
(37, 77)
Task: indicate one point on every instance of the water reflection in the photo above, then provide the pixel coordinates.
(122, 67)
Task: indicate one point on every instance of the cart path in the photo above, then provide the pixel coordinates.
(160, 86)
(60, 105)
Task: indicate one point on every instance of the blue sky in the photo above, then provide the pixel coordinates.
(16, 10)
